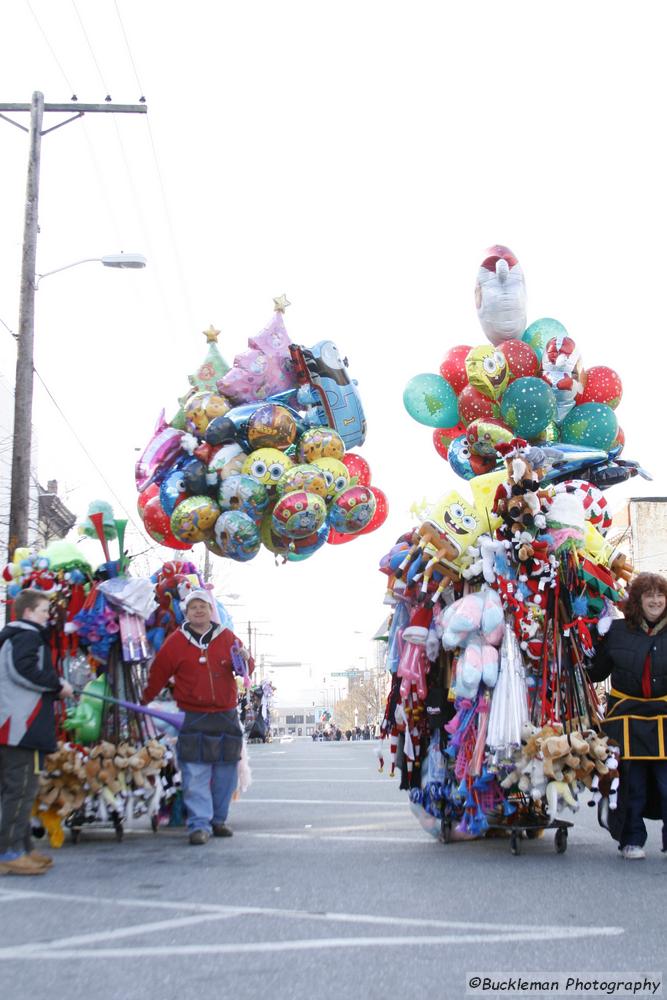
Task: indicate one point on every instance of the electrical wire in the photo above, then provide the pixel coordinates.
(129, 52)
(92, 51)
(52, 51)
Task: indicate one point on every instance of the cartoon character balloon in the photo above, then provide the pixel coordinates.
(488, 370)
(500, 296)
(563, 370)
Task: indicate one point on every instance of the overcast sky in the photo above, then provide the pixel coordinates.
(359, 157)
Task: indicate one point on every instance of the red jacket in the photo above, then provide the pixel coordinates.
(207, 686)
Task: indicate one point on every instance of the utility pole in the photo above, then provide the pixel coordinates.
(22, 434)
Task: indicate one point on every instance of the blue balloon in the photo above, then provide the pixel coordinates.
(173, 488)
(539, 333)
(458, 457)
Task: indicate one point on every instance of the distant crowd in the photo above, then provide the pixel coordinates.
(334, 733)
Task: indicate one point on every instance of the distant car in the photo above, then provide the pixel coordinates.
(328, 389)
(287, 739)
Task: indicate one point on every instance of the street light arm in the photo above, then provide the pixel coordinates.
(66, 267)
(119, 260)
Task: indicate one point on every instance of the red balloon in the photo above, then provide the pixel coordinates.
(453, 367)
(158, 525)
(152, 491)
(443, 437)
(522, 360)
(602, 385)
(381, 511)
(619, 440)
(336, 538)
(473, 404)
(357, 467)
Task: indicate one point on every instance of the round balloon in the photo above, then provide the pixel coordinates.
(381, 511)
(201, 408)
(236, 536)
(303, 477)
(299, 514)
(484, 435)
(549, 435)
(336, 475)
(231, 426)
(443, 437)
(528, 406)
(194, 518)
(227, 460)
(267, 465)
(319, 442)
(521, 359)
(304, 548)
(358, 468)
(593, 425)
(143, 498)
(539, 333)
(619, 440)
(465, 463)
(271, 426)
(601, 385)
(488, 370)
(453, 367)
(352, 510)
(158, 525)
(430, 400)
(245, 494)
(473, 404)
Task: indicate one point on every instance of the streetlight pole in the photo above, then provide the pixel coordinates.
(21, 454)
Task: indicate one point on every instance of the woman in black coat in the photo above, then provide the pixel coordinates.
(634, 653)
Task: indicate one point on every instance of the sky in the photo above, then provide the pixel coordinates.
(358, 157)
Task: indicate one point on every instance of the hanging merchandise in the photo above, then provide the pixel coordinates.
(499, 601)
(260, 457)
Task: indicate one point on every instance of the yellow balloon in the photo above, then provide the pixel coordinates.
(335, 473)
(483, 493)
(20, 555)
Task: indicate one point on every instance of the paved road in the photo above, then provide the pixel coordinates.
(329, 889)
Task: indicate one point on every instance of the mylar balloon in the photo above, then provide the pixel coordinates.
(521, 359)
(303, 548)
(194, 518)
(303, 477)
(453, 367)
(148, 494)
(201, 408)
(336, 475)
(528, 406)
(602, 385)
(466, 464)
(430, 400)
(473, 404)
(487, 370)
(227, 460)
(320, 442)
(160, 452)
(381, 512)
(267, 465)
(195, 476)
(619, 441)
(236, 536)
(540, 332)
(272, 426)
(500, 295)
(245, 494)
(591, 424)
(173, 489)
(484, 435)
(358, 468)
(299, 514)
(352, 509)
(443, 437)
(158, 525)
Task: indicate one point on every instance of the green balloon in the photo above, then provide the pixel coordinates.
(591, 424)
(430, 400)
(528, 406)
(540, 332)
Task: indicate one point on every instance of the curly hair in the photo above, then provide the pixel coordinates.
(644, 583)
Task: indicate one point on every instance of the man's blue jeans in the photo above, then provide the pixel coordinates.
(207, 793)
(634, 829)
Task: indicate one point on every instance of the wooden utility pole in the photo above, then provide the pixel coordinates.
(22, 434)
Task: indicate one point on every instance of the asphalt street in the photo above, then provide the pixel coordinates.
(328, 889)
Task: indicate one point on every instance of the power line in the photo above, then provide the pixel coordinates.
(92, 52)
(52, 51)
(129, 52)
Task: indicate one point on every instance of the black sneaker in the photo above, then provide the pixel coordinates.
(222, 830)
(199, 837)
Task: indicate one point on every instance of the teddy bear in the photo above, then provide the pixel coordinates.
(520, 501)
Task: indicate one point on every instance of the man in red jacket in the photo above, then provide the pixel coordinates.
(198, 656)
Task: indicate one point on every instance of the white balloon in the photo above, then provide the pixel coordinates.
(500, 296)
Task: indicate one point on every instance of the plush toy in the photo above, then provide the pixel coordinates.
(559, 795)
(475, 623)
(563, 370)
(520, 501)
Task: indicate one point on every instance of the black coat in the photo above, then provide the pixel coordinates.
(29, 685)
(636, 723)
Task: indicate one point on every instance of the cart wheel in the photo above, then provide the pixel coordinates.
(515, 843)
(560, 840)
(75, 833)
(446, 829)
(154, 823)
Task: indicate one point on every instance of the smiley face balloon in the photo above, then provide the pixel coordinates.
(267, 466)
(487, 370)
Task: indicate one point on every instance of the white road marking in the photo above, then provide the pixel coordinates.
(310, 944)
(363, 840)
(114, 935)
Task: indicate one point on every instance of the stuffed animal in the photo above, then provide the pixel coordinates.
(475, 624)
(559, 795)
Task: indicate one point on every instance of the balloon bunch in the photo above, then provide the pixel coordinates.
(263, 459)
(527, 382)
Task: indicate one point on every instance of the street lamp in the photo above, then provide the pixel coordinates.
(23, 390)
(117, 260)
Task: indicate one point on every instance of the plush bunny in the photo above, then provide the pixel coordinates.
(475, 624)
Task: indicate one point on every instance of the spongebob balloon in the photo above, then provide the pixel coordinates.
(267, 465)
(459, 519)
(487, 370)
